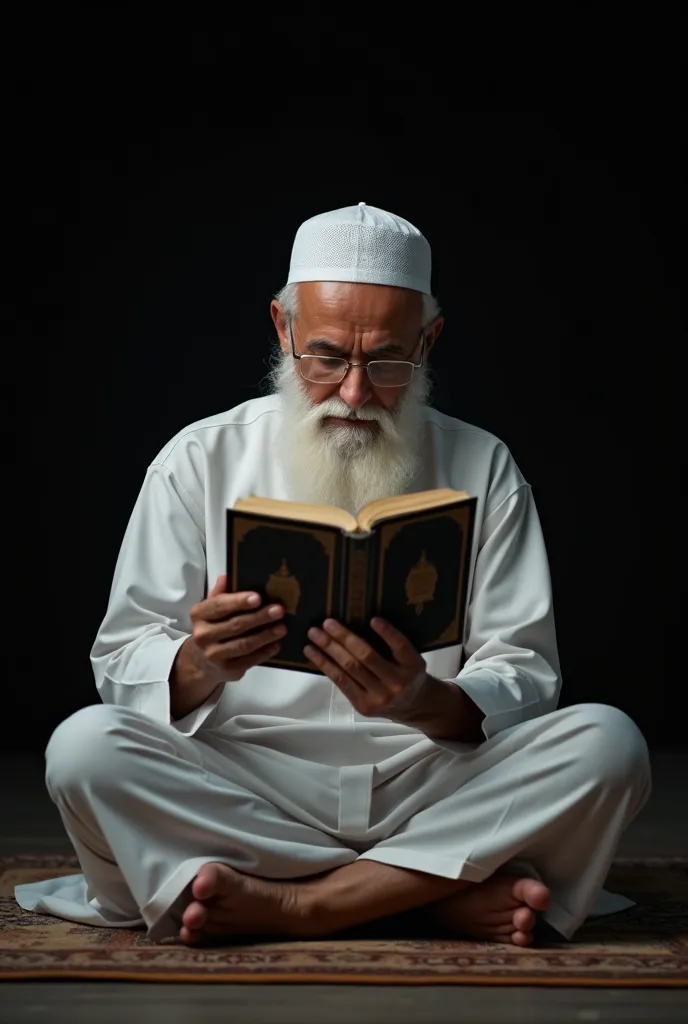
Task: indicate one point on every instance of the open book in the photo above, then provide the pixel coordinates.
(405, 558)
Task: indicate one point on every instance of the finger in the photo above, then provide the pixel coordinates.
(220, 585)
(221, 605)
(363, 700)
(226, 653)
(374, 663)
(403, 650)
(353, 690)
(241, 665)
(243, 622)
(347, 660)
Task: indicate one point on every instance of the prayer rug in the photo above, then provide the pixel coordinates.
(644, 946)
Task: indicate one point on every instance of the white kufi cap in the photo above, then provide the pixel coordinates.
(362, 244)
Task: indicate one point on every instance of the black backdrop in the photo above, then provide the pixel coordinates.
(160, 177)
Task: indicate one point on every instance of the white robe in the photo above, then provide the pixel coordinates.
(295, 734)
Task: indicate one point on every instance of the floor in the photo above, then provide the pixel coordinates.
(31, 823)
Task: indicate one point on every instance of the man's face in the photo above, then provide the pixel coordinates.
(350, 442)
(358, 322)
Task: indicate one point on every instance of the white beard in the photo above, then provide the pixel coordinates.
(347, 466)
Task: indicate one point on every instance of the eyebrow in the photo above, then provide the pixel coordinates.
(326, 347)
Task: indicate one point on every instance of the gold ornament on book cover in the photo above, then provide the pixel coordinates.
(421, 583)
(283, 586)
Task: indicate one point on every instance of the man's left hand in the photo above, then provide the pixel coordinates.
(375, 686)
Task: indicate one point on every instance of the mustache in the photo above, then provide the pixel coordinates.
(336, 407)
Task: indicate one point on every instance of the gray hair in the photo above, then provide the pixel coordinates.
(288, 298)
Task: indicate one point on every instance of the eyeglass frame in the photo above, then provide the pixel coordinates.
(416, 366)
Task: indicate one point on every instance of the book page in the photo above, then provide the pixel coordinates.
(299, 511)
(385, 508)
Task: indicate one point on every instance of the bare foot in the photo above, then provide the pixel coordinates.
(228, 903)
(503, 908)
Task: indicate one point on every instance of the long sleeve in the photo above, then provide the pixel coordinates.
(512, 671)
(160, 574)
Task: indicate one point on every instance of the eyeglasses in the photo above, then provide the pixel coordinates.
(382, 373)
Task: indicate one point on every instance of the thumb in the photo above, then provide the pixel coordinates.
(220, 586)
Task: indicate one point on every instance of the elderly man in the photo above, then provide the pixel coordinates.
(211, 796)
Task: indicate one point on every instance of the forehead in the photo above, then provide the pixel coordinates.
(361, 307)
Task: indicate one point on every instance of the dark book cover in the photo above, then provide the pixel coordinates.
(411, 569)
(295, 564)
(420, 579)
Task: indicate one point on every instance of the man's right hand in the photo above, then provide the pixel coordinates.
(222, 646)
(223, 628)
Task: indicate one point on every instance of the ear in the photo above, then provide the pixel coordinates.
(280, 322)
(433, 332)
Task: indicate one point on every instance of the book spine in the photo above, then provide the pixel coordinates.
(356, 575)
(360, 586)
(341, 571)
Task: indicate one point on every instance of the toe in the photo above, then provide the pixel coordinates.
(195, 916)
(189, 936)
(533, 894)
(205, 884)
(524, 919)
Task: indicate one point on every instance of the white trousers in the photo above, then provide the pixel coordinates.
(145, 807)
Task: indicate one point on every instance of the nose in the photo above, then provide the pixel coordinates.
(355, 388)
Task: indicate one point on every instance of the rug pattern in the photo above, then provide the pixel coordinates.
(644, 946)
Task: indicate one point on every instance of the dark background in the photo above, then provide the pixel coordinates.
(155, 179)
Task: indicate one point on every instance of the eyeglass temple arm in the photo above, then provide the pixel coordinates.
(291, 339)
